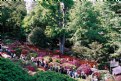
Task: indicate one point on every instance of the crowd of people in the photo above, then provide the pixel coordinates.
(72, 72)
(43, 64)
(9, 53)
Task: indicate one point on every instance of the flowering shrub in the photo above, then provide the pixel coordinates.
(103, 75)
(47, 58)
(30, 68)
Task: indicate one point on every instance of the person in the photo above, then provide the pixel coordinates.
(64, 70)
(75, 74)
(120, 59)
(42, 63)
(0, 48)
(38, 62)
(70, 74)
(95, 78)
(50, 67)
(61, 69)
(56, 68)
(8, 52)
(22, 57)
(83, 75)
(32, 59)
(68, 71)
(46, 67)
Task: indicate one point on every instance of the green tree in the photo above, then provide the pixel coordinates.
(12, 72)
(38, 38)
(12, 14)
(46, 16)
(36, 18)
(59, 16)
(116, 7)
(91, 23)
(35, 24)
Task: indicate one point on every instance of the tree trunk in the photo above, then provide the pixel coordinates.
(62, 38)
(62, 43)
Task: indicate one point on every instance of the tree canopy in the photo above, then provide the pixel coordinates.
(12, 14)
(92, 24)
(91, 30)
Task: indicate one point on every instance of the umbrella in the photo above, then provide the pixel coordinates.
(117, 70)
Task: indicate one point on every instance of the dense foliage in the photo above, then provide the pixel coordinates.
(12, 14)
(37, 37)
(52, 76)
(91, 30)
(12, 72)
(95, 29)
